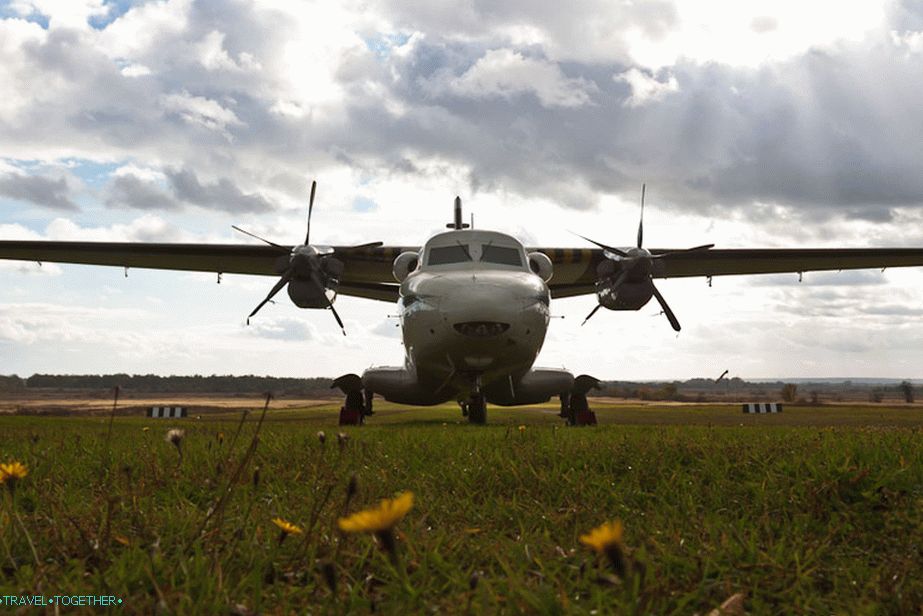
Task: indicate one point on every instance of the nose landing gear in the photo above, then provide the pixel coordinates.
(476, 406)
(477, 409)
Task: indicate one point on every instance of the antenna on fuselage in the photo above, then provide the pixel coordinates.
(458, 224)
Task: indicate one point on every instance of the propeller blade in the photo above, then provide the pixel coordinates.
(316, 280)
(701, 248)
(279, 285)
(666, 309)
(616, 251)
(641, 221)
(255, 236)
(336, 316)
(307, 235)
(592, 312)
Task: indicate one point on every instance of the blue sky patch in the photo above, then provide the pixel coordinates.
(7, 12)
(363, 204)
(117, 8)
(383, 44)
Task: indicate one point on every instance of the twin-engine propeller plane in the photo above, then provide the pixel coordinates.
(473, 304)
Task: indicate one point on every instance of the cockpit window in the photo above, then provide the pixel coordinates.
(502, 255)
(441, 255)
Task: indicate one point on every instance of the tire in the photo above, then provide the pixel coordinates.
(477, 410)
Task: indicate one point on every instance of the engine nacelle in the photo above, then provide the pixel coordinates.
(627, 296)
(541, 265)
(306, 294)
(405, 263)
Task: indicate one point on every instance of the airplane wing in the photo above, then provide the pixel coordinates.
(575, 269)
(366, 273)
(367, 269)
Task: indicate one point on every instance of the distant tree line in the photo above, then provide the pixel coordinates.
(152, 383)
(691, 390)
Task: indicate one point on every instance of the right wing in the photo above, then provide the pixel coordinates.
(366, 273)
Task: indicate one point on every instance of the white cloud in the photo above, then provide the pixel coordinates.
(202, 111)
(506, 74)
(645, 87)
(214, 56)
(135, 70)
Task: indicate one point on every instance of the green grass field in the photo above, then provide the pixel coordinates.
(815, 511)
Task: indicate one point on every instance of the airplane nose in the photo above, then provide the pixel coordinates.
(482, 310)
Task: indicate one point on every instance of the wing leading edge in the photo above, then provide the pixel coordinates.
(577, 268)
(367, 271)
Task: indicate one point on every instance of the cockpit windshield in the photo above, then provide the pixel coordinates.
(441, 255)
(503, 255)
(465, 252)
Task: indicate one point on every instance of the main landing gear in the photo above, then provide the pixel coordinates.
(574, 405)
(358, 401)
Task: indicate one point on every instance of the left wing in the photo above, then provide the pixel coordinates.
(366, 273)
(575, 269)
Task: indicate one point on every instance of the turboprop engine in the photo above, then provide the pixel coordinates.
(310, 272)
(625, 280)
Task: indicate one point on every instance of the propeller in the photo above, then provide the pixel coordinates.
(637, 261)
(303, 263)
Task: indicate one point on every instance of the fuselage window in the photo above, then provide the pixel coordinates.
(441, 255)
(502, 255)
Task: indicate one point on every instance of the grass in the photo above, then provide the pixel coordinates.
(813, 511)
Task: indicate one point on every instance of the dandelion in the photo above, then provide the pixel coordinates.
(352, 487)
(342, 437)
(286, 528)
(522, 429)
(380, 520)
(145, 429)
(607, 539)
(175, 436)
(220, 438)
(321, 437)
(11, 473)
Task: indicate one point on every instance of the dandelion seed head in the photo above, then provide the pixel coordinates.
(175, 436)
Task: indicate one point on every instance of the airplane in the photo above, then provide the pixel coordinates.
(474, 305)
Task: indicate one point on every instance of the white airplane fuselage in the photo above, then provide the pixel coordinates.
(472, 314)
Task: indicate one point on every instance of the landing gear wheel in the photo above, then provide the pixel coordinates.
(353, 411)
(477, 409)
(578, 409)
(580, 413)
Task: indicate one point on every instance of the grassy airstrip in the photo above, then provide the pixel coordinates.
(819, 510)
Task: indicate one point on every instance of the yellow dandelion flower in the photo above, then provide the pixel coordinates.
(389, 512)
(13, 470)
(607, 539)
(603, 537)
(522, 428)
(287, 527)
(145, 429)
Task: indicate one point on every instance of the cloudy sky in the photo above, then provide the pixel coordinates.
(754, 124)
